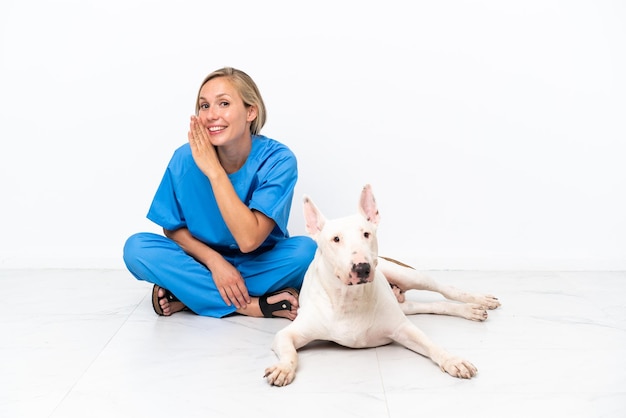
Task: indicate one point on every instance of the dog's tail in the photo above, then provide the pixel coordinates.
(397, 262)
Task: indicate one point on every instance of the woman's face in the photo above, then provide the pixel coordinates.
(223, 113)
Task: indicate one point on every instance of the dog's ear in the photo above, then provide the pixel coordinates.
(367, 205)
(314, 220)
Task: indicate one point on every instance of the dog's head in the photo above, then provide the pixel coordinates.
(348, 245)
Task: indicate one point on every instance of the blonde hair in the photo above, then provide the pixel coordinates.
(247, 89)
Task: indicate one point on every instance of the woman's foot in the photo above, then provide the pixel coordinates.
(164, 302)
(281, 304)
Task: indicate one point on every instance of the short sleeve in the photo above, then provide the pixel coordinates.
(277, 180)
(165, 210)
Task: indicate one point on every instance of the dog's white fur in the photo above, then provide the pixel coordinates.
(346, 296)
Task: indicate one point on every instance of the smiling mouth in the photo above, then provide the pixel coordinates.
(213, 129)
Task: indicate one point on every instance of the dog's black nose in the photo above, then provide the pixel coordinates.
(362, 270)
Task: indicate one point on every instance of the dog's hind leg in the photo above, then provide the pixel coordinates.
(406, 278)
(472, 311)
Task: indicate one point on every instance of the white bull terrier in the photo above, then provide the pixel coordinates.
(355, 298)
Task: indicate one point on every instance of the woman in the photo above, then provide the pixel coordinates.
(224, 204)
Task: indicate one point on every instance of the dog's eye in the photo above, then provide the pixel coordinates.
(366, 234)
(336, 239)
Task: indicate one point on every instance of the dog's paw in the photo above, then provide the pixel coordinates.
(489, 301)
(458, 367)
(279, 375)
(474, 312)
(398, 293)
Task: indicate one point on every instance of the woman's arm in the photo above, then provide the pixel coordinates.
(227, 278)
(250, 228)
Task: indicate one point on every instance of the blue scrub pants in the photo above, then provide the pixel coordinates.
(157, 259)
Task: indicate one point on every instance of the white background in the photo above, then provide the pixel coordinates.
(493, 132)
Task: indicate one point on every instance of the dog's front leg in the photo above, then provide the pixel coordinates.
(285, 346)
(415, 339)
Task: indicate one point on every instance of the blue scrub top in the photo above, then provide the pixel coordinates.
(265, 183)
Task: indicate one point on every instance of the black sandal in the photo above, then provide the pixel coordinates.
(168, 295)
(284, 305)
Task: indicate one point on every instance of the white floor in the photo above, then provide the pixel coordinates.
(86, 343)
